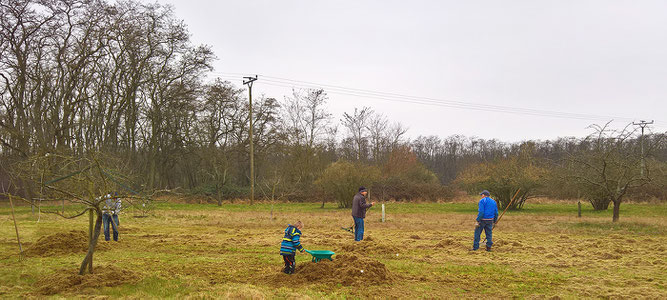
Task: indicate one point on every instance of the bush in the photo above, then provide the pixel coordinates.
(503, 178)
(342, 179)
(404, 178)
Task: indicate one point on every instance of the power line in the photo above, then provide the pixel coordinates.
(394, 97)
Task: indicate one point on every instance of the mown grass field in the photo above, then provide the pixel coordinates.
(421, 251)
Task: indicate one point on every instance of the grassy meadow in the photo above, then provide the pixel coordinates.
(205, 251)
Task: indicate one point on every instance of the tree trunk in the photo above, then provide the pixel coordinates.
(617, 210)
(90, 238)
(219, 194)
(91, 245)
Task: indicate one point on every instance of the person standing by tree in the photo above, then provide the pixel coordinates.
(487, 216)
(110, 215)
(359, 207)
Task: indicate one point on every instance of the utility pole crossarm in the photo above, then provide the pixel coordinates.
(249, 80)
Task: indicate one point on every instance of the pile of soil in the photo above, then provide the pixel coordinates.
(346, 269)
(447, 243)
(68, 280)
(75, 241)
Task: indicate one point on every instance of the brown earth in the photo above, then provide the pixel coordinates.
(67, 280)
(345, 269)
(75, 241)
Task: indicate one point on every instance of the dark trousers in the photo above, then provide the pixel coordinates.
(487, 226)
(290, 264)
(113, 219)
(358, 229)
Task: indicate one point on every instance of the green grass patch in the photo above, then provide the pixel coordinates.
(625, 227)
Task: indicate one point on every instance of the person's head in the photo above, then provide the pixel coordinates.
(298, 224)
(485, 193)
(363, 191)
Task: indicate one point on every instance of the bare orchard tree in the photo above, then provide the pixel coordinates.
(611, 167)
(83, 181)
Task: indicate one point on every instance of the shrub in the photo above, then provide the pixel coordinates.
(342, 179)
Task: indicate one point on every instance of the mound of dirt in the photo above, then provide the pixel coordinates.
(75, 241)
(447, 243)
(346, 269)
(68, 280)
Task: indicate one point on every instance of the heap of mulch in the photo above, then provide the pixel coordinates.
(69, 281)
(75, 241)
(346, 269)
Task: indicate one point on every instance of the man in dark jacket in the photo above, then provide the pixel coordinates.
(486, 216)
(359, 207)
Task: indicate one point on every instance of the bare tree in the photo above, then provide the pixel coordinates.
(611, 167)
(357, 128)
(84, 181)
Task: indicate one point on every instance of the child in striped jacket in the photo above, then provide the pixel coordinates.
(291, 242)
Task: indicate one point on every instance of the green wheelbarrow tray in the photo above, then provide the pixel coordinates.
(321, 254)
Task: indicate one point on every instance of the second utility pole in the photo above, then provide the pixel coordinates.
(642, 124)
(249, 81)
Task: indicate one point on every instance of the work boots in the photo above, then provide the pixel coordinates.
(488, 249)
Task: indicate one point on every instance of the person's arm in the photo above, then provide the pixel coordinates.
(480, 211)
(364, 204)
(296, 237)
(495, 215)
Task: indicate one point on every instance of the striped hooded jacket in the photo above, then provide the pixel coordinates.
(291, 241)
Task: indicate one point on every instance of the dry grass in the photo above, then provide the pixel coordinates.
(219, 253)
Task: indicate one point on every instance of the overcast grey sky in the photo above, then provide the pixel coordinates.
(605, 58)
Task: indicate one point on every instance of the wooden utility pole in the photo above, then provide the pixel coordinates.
(643, 125)
(249, 81)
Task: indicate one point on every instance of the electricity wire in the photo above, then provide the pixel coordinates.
(401, 98)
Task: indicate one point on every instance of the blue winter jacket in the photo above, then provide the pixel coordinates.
(488, 210)
(291, 241)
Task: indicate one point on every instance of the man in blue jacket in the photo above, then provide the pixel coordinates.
(291, 242)
(486, 218)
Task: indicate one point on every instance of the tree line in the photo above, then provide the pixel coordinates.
(123, 80)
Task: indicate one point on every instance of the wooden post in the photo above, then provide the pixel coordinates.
(17, 229)
(579, 208)
(383, 213)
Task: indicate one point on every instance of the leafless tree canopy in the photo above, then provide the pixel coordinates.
(123, 79)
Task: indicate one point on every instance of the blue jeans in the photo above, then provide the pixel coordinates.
(358, 229)
(113, 219)
(487, 226)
